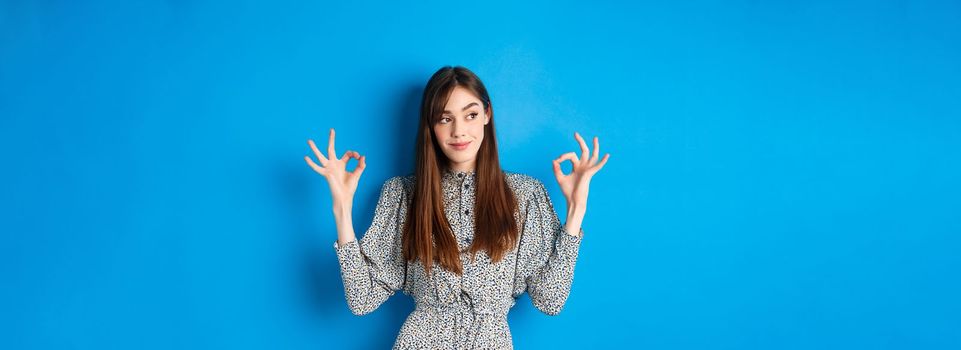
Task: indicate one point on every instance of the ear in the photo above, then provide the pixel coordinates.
(487, 116)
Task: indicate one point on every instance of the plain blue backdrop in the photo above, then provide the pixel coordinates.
(782, 175)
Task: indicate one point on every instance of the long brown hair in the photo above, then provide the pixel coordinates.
(428, 235)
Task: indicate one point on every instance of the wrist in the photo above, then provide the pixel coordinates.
(342, 209)
(576, 209)
(575, 216)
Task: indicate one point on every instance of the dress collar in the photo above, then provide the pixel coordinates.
(450, 174)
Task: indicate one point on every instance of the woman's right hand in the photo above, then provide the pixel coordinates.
(343, 184)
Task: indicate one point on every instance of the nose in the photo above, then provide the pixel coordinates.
(458, 128)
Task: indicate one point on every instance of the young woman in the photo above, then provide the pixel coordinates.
(460, 235)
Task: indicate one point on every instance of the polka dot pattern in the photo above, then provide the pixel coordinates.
(467, 311)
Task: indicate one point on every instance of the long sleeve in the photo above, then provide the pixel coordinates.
(552, 253)
(374, 268)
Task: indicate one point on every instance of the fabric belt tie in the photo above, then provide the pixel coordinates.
(469, 316)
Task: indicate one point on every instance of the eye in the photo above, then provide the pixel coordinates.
(441, 120)
(473, 114)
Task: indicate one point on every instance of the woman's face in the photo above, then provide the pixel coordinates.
(460, 129)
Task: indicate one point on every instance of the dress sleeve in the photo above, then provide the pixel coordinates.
(552, 253)
(374, 268)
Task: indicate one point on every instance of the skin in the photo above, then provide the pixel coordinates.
(463, 120)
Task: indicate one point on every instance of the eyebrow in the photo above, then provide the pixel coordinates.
(465, 107)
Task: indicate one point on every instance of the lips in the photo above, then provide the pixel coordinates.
(460, 146)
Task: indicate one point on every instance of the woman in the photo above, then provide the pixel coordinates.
(489, 235)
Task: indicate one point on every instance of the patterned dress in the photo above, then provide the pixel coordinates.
(468, 311)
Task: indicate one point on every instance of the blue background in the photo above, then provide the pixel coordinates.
(781, 175)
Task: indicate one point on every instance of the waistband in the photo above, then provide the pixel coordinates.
(464, 302)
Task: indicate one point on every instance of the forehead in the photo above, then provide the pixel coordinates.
(459, 98)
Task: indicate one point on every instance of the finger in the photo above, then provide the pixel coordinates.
(316, 167)
(361, 164)
(584, 151)
(330, 145)
(347, 156)
(320, 156)
(566, 156)
(600, 165)
(557, 168)
(596, 149)
(569, 155)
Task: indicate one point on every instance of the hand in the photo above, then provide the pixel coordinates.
(575, 185)
(343, 184)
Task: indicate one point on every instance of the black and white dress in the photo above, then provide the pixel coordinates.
(468, 311)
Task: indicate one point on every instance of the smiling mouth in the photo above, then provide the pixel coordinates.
(460, 146)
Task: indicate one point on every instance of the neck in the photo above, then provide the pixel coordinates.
(461, 168)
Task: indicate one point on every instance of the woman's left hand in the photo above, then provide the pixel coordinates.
(575, 185)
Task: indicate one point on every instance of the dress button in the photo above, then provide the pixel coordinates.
(467, 211)
(466, 185)
(460, 175)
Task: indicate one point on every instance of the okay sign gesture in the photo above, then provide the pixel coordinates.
(342, 183)
(575, 185)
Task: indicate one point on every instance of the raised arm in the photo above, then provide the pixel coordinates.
(342, 183)
(550, 282)
(373, 269)
(550, 251)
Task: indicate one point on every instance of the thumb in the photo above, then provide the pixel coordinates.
(557, 169)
